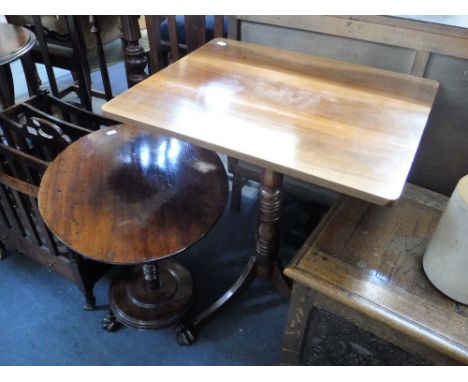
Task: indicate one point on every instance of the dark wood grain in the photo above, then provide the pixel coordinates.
(126, 195)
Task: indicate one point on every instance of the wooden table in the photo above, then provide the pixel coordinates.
(15, 42)
(350, 128)
(123, 195)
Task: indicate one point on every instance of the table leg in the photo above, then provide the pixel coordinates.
(186, 329)
(264, 264)
(270, 203)
(151, 275)
(7, 90)
(76, 264)
(269, 212)
(30, 72)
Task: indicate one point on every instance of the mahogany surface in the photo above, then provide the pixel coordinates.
(350, 128)
(126, 195)
(14, 42)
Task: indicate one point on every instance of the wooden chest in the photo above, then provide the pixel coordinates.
(360, 294)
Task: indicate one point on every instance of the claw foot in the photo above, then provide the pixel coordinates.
(110, 323)
(2, 251)
(90, 303)
(89, 306)
(185, 334)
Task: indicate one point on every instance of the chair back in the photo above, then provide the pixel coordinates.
(20, 175)
(68, 49)
(171, 37)
(44, 125)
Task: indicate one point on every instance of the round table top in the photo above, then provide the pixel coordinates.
(14, 42)
(123, 195)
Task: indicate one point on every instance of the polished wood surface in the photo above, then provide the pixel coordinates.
(127, 195)
(14, 42)
(350, 128)
(369, 259)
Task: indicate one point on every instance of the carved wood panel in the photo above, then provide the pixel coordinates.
(330, 340)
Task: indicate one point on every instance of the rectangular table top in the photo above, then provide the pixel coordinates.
(350, 128)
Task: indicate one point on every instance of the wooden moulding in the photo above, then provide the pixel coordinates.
(384, 30)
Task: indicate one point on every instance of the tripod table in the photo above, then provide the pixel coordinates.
(123, 195)
(350, 128)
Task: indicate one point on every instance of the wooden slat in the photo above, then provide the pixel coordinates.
(153, 26)
(172, 30)
(79, 111)
(46, 236)
(72, 130)
(39, 30)
(218, 26)
(31, 161)
(195, 32)
(3, 218)
(18, 185)
(95, 30)
(12, 131)
(59, 264)
(18, 133)
(413, 24)
(19, 188)
(81, 61)
(10, 212)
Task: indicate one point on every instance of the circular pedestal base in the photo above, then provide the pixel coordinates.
(139, 307)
